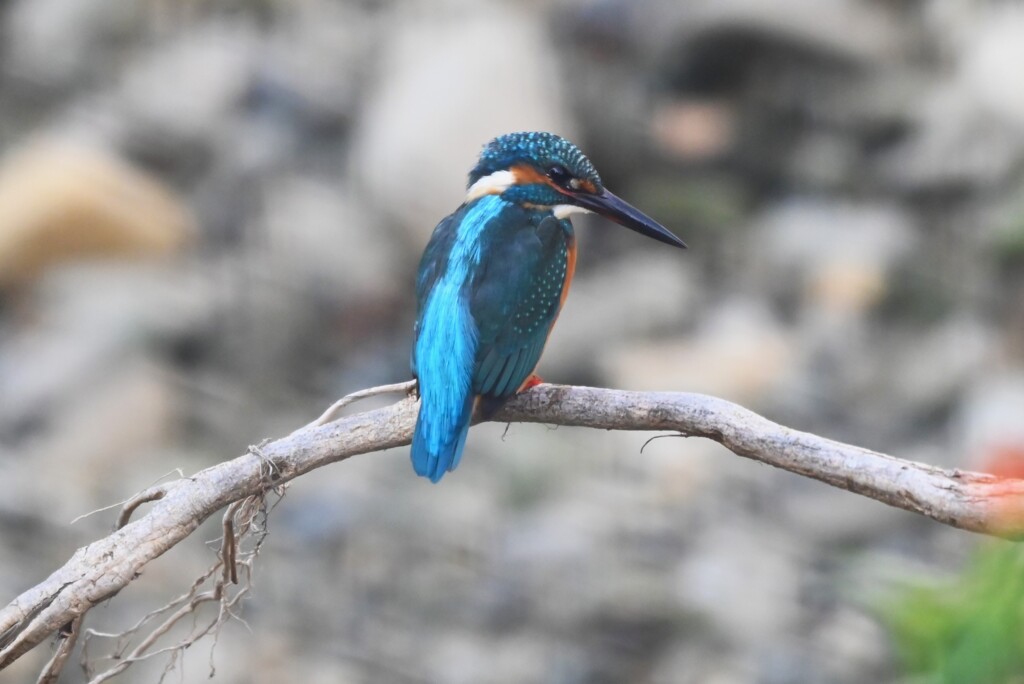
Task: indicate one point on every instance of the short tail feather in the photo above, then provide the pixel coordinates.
(437, 443)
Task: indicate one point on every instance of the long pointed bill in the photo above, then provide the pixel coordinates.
(611, 206)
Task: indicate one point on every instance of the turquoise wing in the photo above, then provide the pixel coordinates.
(432, 266)
(515, 300)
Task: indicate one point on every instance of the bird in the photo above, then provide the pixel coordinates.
(492, 281)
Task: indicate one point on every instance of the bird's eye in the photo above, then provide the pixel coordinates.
(559, 175)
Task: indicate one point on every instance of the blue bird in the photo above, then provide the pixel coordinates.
(493, 279)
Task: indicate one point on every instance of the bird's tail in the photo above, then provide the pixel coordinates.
(439, 439)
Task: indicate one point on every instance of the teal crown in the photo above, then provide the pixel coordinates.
(542, 150)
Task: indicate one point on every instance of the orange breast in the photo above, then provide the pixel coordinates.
(570, 269)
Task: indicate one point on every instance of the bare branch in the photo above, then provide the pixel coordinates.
(971, 501)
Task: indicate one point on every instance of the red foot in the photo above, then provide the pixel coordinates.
(531, 381)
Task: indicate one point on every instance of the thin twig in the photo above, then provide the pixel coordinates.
(335, 409)
(122, 503)
(146, 496)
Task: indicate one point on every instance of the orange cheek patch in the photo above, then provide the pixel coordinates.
(527, 175)
(587, 186)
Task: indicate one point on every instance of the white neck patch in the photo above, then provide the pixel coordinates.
(494, 184)
(562, 211)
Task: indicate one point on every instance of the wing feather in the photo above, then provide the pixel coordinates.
(516, 299)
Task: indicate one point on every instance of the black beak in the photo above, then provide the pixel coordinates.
(610, 206)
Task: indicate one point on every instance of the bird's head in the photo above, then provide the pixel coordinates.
(546, 171)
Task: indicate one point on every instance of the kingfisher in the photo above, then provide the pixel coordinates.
(492, 281)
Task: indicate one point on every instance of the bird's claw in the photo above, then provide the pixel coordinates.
(532, 381)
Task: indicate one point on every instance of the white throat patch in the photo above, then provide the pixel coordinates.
(562, 211)
(494, 184)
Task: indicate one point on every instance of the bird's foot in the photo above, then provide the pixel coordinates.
(531, 381)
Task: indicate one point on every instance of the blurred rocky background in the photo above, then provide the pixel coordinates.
(210, 218)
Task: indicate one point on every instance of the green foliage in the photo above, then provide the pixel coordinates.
(1009, 244)
(918, 295)
(969, 630)
(702, 204)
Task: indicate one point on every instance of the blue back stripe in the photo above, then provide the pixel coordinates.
(447, 342)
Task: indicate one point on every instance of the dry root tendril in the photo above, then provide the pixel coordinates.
(225, 583)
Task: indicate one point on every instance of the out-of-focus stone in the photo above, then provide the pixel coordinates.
(90, 319)
(847, 286)
(990, 67)
(53, 42)
(61, 203)
(701, 661)
(450, 74)
(953, 146)
(820, 514)
(839, 257)
(125, 417)
(741, 354)
(318, 232)
(942, 361)
(461, 657)
(557, 536)
(694, 129)
(989, 417)
(751, 601)
(315, 62)
(846, 29)
(968, 127)
(850, 645)
(185, 91)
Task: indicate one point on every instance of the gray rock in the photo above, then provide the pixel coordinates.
(987, 68)
(744, 581)
(822, 515)
(740, 352)
(104, 316)
(463, 94)
(849, 644)
(929, 371)
(185, 91)
(694, 660)
(661, 294)
(320, 235)
(837, 255)
(968, 127)
(847, 29)
(316, 63)
(54, 42)
(989, 417)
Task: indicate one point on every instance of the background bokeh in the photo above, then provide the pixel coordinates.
(210, 219)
